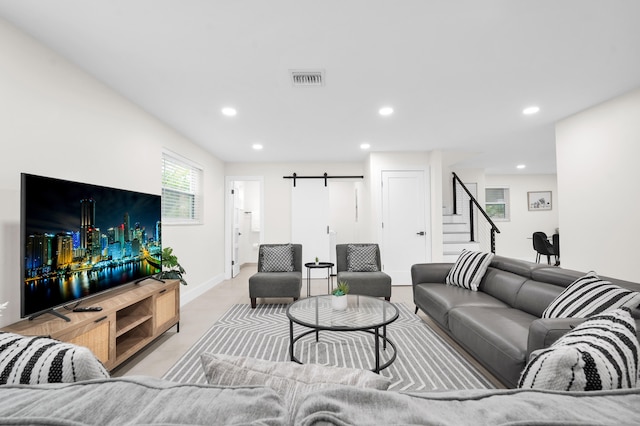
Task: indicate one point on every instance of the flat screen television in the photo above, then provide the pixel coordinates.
(78, 240)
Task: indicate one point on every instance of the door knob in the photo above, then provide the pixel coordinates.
(420, 233)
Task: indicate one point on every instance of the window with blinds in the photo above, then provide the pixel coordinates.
(497, 203)
(181, 191)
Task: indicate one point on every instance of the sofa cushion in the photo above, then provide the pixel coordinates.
(277, 258)
(436, 300)
(497, 336)
(469, 269)
(535, 296)
(137, 400)
(374, 284)
(472, 407)
(290, 380)
(502, 285)
(590, 295)
(520, 267)
(362, 258)
(33, 360)
(600, 353)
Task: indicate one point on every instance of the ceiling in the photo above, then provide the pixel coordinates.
(458, 73)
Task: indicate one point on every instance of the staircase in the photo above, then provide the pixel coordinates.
(461, 229)
(455, 237)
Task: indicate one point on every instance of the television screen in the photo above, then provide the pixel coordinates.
(79, 239)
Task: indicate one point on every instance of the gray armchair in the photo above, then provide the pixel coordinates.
(368, 283)
(276, 284)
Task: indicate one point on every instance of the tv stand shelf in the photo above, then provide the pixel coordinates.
(131, 318)
(128, 323)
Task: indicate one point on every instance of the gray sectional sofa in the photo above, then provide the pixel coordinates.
(146, 400)
(501, 324)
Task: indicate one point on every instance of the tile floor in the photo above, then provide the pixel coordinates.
(199, 315)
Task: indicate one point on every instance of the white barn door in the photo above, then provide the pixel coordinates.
(310, 222)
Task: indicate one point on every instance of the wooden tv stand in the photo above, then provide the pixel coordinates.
(131, 317)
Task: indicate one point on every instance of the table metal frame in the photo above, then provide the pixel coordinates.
(320, 265)
(373, 329)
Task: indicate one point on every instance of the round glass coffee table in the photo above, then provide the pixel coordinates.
(363, 313)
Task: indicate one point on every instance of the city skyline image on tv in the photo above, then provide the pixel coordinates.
(79, 239)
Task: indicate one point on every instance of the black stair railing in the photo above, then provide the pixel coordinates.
(473, 202)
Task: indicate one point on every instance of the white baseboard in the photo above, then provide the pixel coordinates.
(187, 295)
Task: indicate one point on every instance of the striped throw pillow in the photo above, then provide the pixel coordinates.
(469, 269)
(599, 354)
(590, 295)
(34, 360)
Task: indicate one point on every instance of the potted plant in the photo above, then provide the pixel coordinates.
(171, 268)
(339, 296)
(316, 260)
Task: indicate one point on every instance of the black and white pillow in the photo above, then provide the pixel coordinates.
(34, 360)
(277, 258)
(469, 269)
(601, 353)
(362, 258)
(590, 295)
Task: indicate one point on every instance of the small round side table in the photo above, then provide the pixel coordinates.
(320, 265)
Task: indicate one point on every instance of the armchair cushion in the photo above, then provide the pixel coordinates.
(362, 258)
(277, 258)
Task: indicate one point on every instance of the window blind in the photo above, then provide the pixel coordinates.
(181, 191)
(497, 203)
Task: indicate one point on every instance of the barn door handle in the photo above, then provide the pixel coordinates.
(420, 233)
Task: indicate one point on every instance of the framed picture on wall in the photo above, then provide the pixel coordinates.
(539, 200)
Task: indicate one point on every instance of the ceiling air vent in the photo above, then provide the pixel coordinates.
(307, 78)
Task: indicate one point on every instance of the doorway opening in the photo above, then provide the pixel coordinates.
(244, 218)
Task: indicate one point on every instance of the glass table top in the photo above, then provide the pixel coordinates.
(362, 312)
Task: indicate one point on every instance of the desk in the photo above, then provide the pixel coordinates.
(320, 265)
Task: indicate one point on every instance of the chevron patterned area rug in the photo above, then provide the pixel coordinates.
(424, 361)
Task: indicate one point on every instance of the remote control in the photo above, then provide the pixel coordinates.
(88, 309)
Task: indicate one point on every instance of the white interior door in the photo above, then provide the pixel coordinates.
(404, 228)
(310, 221)
(235, 233)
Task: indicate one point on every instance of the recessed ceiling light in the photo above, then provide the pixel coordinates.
(229, 112)
(256, 146)
(521, 166)
(384, 111)
(365, 146)
(530, 110)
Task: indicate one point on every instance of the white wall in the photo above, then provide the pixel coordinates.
(381, 161)
(277, 193)
(57, 121)
(514, 237)
(277, 190)
(597, 154)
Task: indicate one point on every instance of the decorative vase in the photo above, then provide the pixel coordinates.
(339, 303)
